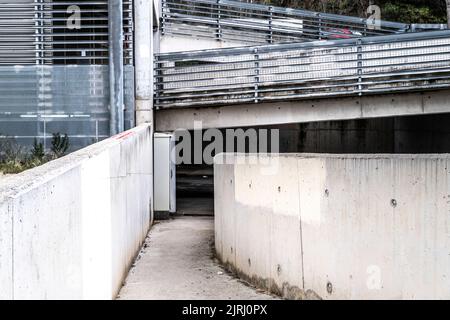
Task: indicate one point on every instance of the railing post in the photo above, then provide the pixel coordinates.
(157, 81)
(270, 40)
(163, 16)
(364, 21)
(360, 65)
(320, 26)
(219, 27)
(39, 23)
(257, 74)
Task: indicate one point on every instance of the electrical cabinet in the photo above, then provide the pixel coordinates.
(164, 175)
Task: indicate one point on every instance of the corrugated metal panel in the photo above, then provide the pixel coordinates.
(59, 32)
(17, 32)
(54, 73)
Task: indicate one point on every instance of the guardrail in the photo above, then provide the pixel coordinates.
(364, 66)
(236, 21)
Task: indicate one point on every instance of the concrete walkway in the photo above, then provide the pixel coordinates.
(177, 263)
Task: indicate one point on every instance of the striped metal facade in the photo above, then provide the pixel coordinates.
(54, 70)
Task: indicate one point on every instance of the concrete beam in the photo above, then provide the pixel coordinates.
(170, 43)
(277, 113)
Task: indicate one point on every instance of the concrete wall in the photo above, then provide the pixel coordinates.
(71, 228)
(172, 43)
(337, 226)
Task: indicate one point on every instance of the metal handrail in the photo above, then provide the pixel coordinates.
(234, 21)
(350, 67)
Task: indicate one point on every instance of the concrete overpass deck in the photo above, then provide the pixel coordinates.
(369, 77)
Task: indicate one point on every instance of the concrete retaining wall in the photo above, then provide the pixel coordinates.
(337, 226)
(71, 228)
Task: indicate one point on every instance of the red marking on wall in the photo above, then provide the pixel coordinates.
(124, 135)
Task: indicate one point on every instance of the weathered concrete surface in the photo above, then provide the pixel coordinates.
(71, 228)
(389, 105)
(343, 226)
(173, 43)
(177, 263)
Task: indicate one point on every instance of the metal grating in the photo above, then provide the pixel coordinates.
(59, 32)
(372, 65)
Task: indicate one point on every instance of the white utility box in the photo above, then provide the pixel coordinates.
(164, 175)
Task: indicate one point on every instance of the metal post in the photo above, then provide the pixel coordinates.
(257, 73)
(116, 81)
(364, 21)
(270, 24)
(320, 26)
(143, 20)
(219, 18)
(360, 65)
(163, 16)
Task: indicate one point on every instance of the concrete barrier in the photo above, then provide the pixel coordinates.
(337, 226)
(71, 228)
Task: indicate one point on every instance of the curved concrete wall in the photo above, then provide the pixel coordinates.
(337, 226)
(71, 228)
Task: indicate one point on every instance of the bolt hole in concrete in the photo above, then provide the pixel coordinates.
(394, 203)
(329, 288)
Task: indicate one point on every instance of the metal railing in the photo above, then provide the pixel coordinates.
(351, 67)
(59, 32)
(236, 21)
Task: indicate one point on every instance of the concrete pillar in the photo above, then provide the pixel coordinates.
(144, 60)
(116, 75)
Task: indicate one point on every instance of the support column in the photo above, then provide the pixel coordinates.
(143, 20)
(116, 80)
(143, 60)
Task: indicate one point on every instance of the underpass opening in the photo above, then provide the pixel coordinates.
(424, 134)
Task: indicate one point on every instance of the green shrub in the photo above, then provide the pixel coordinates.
(38, 151)
(60, 144)
(15, 159)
